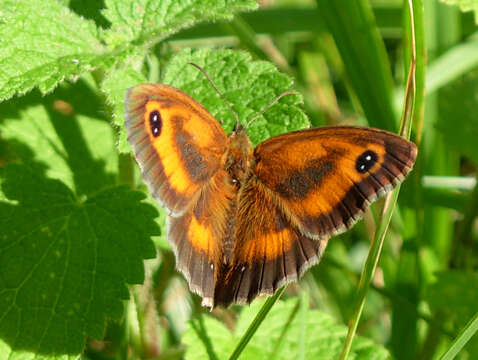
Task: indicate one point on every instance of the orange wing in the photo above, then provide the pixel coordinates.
(200, 236)
(176, 141)
(268, 250)
(305, 187)
(324, 178)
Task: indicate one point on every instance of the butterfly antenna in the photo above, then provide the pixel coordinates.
(215, 88)
(270, 105)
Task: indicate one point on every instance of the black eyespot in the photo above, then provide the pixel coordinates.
(155, 123)
(366, 161)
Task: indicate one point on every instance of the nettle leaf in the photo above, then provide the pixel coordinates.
(454, 295)
(150, 20)
(43, 43)
(465, 5)
(64, 262)
(7, 352)
(66, 132)
(457, 120)
(249, 86)
(323, 337)
(69, 245)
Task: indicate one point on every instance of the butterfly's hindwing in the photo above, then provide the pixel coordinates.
(198, 236)
(268, 250)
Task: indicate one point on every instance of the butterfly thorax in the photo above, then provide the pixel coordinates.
(239, 156)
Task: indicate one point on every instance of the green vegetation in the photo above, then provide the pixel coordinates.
(85, 266)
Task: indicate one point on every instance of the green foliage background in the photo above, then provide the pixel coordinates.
(77, 224)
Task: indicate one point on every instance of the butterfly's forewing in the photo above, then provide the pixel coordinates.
(176, 142)
(305, 187)
(326, 177)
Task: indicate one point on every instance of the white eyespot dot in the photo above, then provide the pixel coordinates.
(243, 268)
(212, 266)
(362, 167)
(368, 158)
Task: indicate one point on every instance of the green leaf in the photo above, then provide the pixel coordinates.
(64, 262)
(465, 5)
(207, 338)
(458, 121)
(323, 337)
(146, 21)
(43, 43)
(65, 133)
(249, 86)
(6, 352)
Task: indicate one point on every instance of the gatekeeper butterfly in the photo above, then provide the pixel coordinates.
(244, 221)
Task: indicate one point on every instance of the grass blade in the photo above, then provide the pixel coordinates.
(369, 268)
(465, 335)
(454, 63)
(362, 51)
(389, 204)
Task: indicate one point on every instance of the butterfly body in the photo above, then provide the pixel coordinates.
(245, 221)
(239, 156)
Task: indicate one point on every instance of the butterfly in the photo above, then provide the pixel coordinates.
(245, 221)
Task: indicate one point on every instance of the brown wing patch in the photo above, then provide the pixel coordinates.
(199, 235)
(177, 143)
(268, 251)
(326, 177)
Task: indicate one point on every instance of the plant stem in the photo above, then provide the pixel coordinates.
(251, 330)
(369, 269)
(389, 204)
(285, 329)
